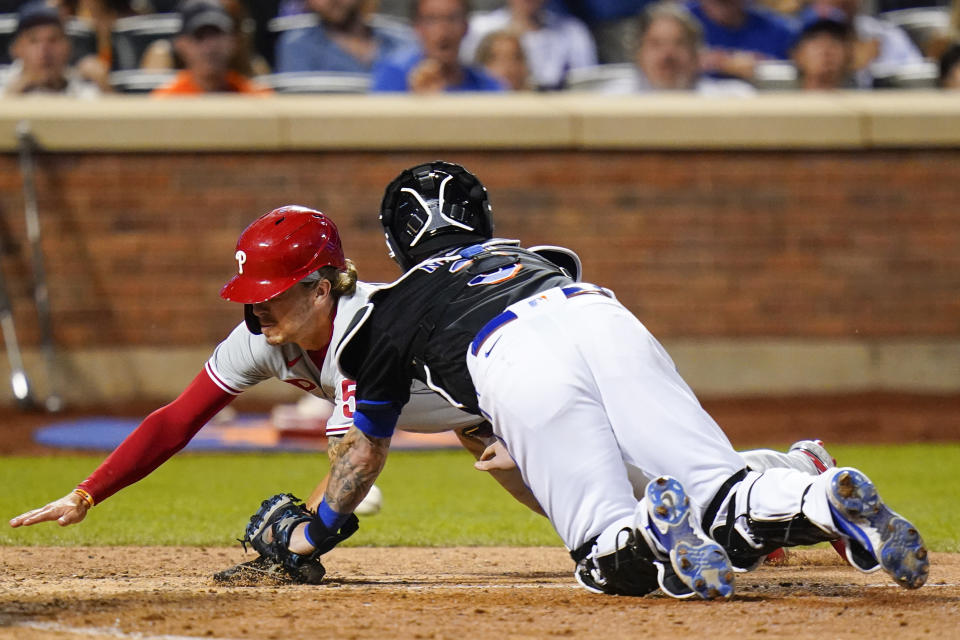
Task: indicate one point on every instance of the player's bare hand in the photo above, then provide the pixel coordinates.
(69, 509)
(493, 457)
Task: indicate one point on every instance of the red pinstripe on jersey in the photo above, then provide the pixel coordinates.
(219, 381)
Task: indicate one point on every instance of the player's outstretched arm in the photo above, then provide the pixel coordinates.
(159, 436)
(70, 509)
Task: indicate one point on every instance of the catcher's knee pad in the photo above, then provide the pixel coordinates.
(627, 570)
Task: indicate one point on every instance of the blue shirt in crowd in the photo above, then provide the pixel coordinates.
(391, 75)
(311, 49)
(594, 11)
(763, 32)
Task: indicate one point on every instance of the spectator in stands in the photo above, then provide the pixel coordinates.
(612, 23)
(950, 68)
(100, 15)
(245, 60)
(500, 54)
(206, 46)
(667, 56)
(435, 66)
(738, 35)
(823, 54)
(880, 46)
(345, 39)
(554, 44)
(41, 56)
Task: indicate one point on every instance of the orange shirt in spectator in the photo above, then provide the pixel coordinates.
(184, 84)
(206, 45)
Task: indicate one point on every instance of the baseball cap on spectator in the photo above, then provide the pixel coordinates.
(198, 14)
(817, 20)
(36, 13)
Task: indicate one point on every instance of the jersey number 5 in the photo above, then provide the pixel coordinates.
(348, 389)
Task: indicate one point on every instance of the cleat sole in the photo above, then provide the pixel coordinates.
(896, 544)
(699, 562)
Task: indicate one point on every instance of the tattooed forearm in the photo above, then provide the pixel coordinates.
(334, 447)
(357, 463)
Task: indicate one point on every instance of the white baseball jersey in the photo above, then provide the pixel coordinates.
(244, 359)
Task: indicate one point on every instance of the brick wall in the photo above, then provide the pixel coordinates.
(858, 244)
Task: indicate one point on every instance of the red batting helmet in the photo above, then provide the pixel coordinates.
(278, 250)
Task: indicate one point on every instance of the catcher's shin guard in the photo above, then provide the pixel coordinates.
(748, 550)
(748, 539)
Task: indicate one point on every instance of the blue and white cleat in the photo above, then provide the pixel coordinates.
(699, 562)
(876, 536)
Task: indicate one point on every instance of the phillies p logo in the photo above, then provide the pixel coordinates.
(241, 259)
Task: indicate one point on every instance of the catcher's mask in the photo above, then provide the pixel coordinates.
(432, 207)
(278, 250)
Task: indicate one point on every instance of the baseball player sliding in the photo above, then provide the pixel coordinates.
(289, 251)
(584, 399)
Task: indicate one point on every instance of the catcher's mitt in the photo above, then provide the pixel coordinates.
(272, 525)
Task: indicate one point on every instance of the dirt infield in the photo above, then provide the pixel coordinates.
(484, 593)
(155, 593)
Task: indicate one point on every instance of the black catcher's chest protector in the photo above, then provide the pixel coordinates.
(431, 315)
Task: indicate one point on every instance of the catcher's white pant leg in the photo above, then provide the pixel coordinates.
(539, 395)
(659, 424)
(763, 459)
(580, 391)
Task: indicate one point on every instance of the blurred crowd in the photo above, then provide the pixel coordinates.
(85, 48)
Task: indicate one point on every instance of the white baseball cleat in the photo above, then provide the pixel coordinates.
(876, 536)
(698, 561)
(814, 453)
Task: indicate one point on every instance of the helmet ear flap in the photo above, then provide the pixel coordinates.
(251, 320)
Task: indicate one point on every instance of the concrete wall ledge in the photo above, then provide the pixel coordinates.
(844, 120)
(712, 367)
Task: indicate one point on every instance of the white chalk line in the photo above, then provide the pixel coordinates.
(923, 588)
(108, 632)
(457, 587)
(576, 587)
